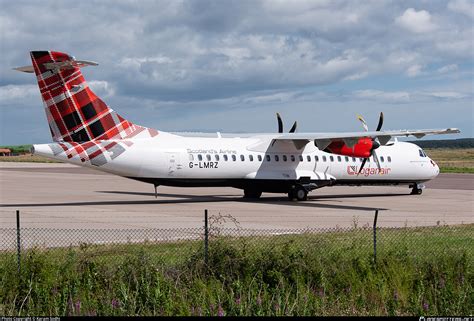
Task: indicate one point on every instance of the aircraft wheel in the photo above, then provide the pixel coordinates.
(416, 191)
(248, 193)
(291, 195)
(300, 193)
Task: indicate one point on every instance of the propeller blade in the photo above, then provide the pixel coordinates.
(376, 159)
(362, 166)
(364, 124)
(280, 123)
(293, 128)
(379, 126)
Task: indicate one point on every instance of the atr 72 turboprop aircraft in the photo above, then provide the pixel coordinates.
(89, 133)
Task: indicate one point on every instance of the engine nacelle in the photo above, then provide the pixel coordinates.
(361, 149)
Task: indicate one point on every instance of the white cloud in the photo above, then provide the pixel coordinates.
(382, 96)
(15, 94)
(416, 21)
(448, 95)
(101, 88)
(447, 68)
(462, 6)
(414, 70)
(194, 57)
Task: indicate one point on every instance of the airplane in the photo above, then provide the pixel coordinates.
(87, 132)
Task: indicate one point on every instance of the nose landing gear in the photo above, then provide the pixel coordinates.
(417, 189)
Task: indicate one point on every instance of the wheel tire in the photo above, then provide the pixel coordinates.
(301, 194)
(248, 193)
(416, 191)
(291, 195)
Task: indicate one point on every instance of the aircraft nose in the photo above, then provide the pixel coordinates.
(435, 168)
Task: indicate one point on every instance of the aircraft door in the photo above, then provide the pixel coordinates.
(174, 164)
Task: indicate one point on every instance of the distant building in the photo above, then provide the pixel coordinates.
(5, 152)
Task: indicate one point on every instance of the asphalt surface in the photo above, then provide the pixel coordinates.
(66, 196)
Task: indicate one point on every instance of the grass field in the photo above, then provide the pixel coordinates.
(27, 158)
(452, 160)
(419, 271)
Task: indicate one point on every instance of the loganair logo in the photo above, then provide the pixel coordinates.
(353, 170)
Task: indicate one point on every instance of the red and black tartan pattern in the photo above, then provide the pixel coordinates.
(75, 114)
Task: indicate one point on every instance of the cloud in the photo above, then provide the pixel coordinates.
(101, 88)
(382, 96)
(463, 7)
(174, 60)
(447, 68)
(17, 94)
(416, 21)
(414, 70)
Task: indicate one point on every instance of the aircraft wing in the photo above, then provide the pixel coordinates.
(322, 140)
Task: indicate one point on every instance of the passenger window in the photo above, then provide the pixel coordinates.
(268, 158)
(285, 158)
(251, 158)
(389, 159)
(354, 159)
(361, 160)
(200, 157)
(242, 158)
(208, 157)
(277, 158)
(191, 157)
(308, 158)
(300, 157)
(259, 158)
(216, 157)
(331, 158)
(234, 158)
(292, 158)
(226, 158)
(316, 158)
(339, 158)
(347, 159)
(382, 159)
(324, 158)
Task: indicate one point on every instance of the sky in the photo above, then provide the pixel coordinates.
(229, 66)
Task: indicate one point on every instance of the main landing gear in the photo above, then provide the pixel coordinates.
(416, 189)
(252, 194)
(299, 192)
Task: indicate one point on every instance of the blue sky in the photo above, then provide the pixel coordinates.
(231, 65)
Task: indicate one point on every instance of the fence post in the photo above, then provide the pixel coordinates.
(18, 240)
(375, 235)
(206, 237)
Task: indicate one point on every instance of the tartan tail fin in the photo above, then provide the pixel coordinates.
(74, 112)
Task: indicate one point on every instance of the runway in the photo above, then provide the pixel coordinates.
(66, 196)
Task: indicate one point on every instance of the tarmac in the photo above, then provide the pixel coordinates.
(63, 196)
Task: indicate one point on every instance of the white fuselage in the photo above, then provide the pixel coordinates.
(203, 161)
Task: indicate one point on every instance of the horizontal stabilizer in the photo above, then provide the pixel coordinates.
(28, 69)
(59, 65)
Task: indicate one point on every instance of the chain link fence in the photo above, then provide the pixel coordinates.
(179, 244)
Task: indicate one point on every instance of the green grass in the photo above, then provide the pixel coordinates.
(465, 170)
(18, 149)
(419, 271)
(453, 160)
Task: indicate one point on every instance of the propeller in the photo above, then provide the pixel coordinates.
(280, 125)
(375, 144)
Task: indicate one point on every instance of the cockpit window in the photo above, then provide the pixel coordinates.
(422, 153)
